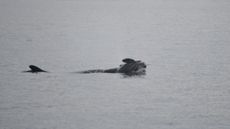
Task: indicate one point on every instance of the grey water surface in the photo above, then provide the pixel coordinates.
(186, 44)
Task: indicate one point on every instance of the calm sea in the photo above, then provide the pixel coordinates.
(185, 44)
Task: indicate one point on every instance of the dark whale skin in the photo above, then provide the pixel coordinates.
(131, 67)
(35, 69)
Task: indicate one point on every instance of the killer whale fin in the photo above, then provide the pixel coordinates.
(128, 60)
(34, 69)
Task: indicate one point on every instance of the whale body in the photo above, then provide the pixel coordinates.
(131, 67)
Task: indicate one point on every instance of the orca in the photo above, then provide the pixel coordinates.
(130, 67)
(35, 69)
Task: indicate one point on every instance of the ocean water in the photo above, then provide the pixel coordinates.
(185, 44)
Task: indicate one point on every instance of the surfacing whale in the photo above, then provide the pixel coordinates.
(131, 67)
(35, 69)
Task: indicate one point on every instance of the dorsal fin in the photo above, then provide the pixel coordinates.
(36, 69)
(128, 60)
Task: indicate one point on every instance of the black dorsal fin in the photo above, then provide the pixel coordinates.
(36, 69)
(128, 60)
